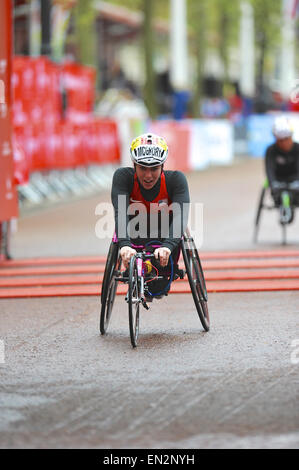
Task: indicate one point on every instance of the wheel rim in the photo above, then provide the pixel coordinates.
(108, 301)
(193, 266)
(134, 303)
(135, 307)
(197, 280)
(201, 284)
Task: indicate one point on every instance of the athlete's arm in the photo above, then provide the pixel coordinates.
(178, 190)
(122, 185)
(270, 165)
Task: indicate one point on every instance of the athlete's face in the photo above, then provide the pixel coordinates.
(148, 176)
(285, 144)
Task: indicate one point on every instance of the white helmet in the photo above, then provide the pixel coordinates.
(282, 128)
(149, 150)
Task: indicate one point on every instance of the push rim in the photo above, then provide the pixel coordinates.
(196, 281)
(109, 287)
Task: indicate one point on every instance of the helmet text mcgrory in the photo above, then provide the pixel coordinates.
(151, 151)
(143, 224)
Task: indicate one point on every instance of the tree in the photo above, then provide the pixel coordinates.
(213, 25)
(149, 88)
(267, 17)
(228, 19)
(197, 14)
(85, 32)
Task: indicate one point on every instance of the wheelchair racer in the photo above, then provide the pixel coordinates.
(282, 164)
(156, 189)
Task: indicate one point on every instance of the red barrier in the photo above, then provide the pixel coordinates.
(47, 102)
(21, 169)
(36, 90)
(107, 146)
(49, 141)
(72, 145)
(33, 146)
(20, 66)
(79, 85)
(50, 146)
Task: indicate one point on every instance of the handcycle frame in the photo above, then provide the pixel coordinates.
(137, 282)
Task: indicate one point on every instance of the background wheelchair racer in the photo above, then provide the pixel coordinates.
(282, 167)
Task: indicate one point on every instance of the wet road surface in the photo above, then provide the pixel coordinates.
(63, 385)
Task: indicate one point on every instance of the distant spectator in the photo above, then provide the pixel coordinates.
(235, 103)
(214, 107)
(279, 104)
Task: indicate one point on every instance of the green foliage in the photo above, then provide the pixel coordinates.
(222, 19)
(130, 4)
(267, 24)
(85, 31)
(212, 24)
(160, 7)
(267, 18)
(149, 88)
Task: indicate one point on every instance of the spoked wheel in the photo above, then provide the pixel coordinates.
(258, 215)
(286, 218)
(109, 286)
(196, 279)
(134, 302)
(284, 234)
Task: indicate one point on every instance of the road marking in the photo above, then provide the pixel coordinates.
(82, 276)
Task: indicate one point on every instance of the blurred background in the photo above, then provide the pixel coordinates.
(89, 75)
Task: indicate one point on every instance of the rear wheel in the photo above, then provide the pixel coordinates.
(284, 234)
(134, 302)
(196, 280)
(109, 286)
(258, 214)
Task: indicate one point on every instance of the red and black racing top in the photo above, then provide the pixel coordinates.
(172, 187)
(161, 198)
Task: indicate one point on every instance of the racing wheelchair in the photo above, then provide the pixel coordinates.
(286, 204)
(141, 275)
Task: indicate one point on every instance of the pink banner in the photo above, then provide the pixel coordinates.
(177, 136)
